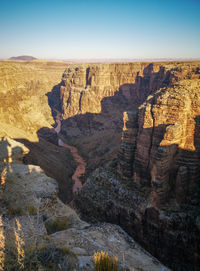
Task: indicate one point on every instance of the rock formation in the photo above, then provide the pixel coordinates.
(137, 127)
(128, 145)
(39, 232)
(94, 97)
(155, 194)
(84, 86)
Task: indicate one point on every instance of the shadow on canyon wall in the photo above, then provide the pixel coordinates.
(107, 125)
(170, 174)
(149, 231)
(163, 213)
(169, 228)
(56, 161)
(127, 96)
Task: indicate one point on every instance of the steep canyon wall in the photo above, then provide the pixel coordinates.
(37, 230)
(155, 107)
(137, 126)
(94, 97)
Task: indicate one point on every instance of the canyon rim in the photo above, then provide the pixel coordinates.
(136, 128)
(100, 135)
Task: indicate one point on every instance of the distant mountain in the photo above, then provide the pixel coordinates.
(24, 58)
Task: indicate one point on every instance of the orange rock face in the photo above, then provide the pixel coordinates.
(160, 104)
(93, 98)
(163, 150)
(84, 86)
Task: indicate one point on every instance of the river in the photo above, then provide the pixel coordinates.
(81, 163)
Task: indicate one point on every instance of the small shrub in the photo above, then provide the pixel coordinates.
(31, 210)
(56, 224)
(104, 262)
(15, 211)
(65, 250)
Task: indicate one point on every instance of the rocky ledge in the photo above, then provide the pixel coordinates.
(39, 232)
(169, 233)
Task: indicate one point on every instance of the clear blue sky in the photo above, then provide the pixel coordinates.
(100, 29)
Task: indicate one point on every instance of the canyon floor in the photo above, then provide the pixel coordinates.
(137, 128)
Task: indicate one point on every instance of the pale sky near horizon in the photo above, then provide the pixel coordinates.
(78, 29)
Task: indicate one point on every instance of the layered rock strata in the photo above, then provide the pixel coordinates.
(93, 98)
(151, 189)
(83, 86)
(167, 150)
(155, 197)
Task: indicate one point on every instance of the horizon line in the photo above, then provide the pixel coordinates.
(135, 59)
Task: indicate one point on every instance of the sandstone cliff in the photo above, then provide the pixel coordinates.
(84, 86)
(167, 147)
(93, 98)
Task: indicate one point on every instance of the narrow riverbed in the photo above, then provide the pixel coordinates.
(81, 163)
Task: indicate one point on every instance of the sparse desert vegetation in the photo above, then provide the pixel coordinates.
(104, 262)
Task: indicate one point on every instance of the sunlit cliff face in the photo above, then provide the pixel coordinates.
(176, 108)
(24, 106)
(160, 143)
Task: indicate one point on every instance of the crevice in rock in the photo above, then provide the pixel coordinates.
(68, 100)
(80, 98)
(151, 140)
(88, 80)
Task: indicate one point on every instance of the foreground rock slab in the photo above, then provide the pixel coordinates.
(106, 237)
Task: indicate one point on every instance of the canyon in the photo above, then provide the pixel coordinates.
(137, 127)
